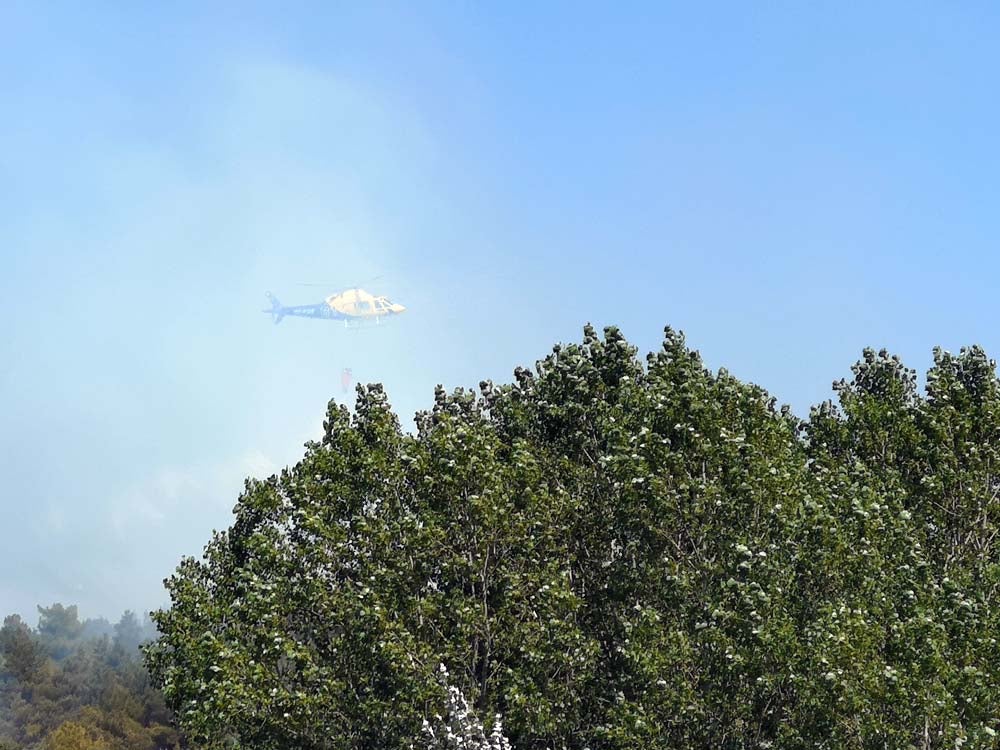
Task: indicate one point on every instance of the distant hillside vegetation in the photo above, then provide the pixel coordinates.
(71, 685)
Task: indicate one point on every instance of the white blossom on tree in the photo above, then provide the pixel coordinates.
(460, 728)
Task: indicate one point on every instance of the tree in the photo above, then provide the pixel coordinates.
(73, 736)
(611, 554)
(128, 632)
(22, 656)
(59, 628)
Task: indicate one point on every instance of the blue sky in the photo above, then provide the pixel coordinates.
(788, 183)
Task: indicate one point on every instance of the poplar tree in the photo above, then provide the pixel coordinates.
(612, 553)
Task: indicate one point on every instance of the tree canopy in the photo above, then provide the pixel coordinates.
(611, 553)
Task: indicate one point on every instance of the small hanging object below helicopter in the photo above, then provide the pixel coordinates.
(352, 306)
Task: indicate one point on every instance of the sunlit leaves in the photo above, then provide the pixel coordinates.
(613, 554)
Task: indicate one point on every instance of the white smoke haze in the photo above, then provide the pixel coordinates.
(162, 168)
(171, 362)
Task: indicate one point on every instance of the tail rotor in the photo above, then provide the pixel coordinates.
(276, 310)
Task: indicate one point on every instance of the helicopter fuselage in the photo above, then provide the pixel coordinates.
(351, 305)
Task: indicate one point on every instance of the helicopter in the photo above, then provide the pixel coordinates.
(352, 306)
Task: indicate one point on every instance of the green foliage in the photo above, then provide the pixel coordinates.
(23, 656)
(613, 554)
(58, 628)
(61, 690)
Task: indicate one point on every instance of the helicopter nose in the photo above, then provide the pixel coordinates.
(397, 308)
